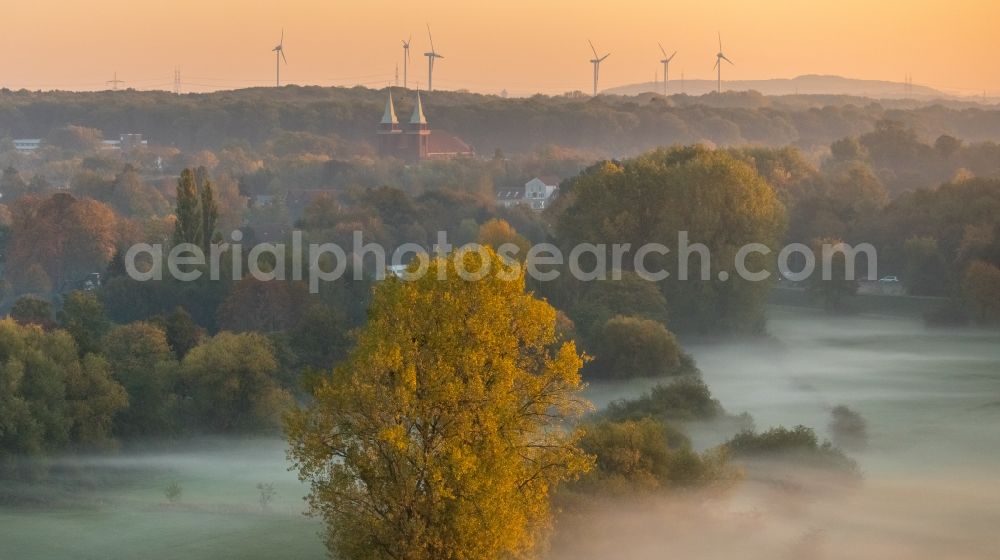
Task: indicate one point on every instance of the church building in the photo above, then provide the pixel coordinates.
(414, 141)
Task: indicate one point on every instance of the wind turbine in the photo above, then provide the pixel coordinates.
(279, 55)
(430, 60)
(666, 67)
(719, 57)
(596, 61)
(406, 58)
(115, 81)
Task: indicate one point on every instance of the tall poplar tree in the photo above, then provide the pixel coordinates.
(188, 228)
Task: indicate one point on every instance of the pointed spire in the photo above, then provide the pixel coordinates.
(418, 112)
(389, 117)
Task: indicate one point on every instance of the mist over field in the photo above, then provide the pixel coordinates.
(930, 398)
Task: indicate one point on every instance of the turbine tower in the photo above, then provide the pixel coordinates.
(666, 67)
(430, 60)
(719, 57)
(406, 58)
(115, 81)
(596, 61)
(279, 55)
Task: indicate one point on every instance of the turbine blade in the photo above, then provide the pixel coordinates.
(431, 37)
(603, 57)
(727, 60)
(720, 41)
(672, 56)
(662, 50)
(716, 64)
(592, 48)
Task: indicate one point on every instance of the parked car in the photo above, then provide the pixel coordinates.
(889, 279)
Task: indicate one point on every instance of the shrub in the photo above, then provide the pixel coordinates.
(634, 347)
(642, 455)
(686, 398)
(173, 492)
(267, 495)
(797, 446)
(849, 429)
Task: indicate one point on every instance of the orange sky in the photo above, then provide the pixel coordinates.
(523, 46)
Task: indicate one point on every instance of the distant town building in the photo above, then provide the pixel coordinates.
(414, 141)
(27, 144)
(131, 141)
(537, 193)
(126, 142)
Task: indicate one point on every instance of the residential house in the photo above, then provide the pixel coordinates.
(536, 193)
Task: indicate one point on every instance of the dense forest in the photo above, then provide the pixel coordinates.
(608, 125)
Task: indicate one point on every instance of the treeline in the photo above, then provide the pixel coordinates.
(73, 380)
(612, 125)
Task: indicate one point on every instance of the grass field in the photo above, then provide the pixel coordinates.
(116, 507)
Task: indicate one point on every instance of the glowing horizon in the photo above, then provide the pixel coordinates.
(519, 46)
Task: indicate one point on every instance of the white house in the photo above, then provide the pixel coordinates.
(27, 144)
(538, 193)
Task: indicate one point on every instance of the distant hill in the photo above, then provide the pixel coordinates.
(804, 85)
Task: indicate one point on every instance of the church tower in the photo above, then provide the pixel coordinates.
(417, 133)
(389, 133)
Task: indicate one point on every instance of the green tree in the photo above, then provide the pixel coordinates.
(321, 338)
(231, 381)
(83, 317)
(190, 221)
(142, 362)
(684, 399)
(443, 434)
(717, 200)
(209, 208)
(30, 310)
(797, 446)
(50, 398)
(628, 347)
(182, 332)
(604, 299)
(639, 456)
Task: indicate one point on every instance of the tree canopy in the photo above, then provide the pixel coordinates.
(444, 433)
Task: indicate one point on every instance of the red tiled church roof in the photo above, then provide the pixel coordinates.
(444, 143)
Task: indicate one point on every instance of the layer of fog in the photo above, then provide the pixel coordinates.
(118, 505)
(931, 399)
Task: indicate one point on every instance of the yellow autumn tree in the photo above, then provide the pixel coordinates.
(497, 232)
(446, 431)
